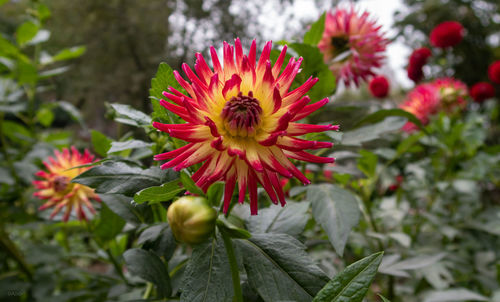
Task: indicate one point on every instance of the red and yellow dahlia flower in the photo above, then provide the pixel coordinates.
(352, 45)
(57, 188)
(422, 101)
(242, 122)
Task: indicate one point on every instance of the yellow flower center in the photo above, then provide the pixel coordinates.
(242, 115)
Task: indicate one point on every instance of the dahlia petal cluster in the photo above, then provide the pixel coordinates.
(443, 94)
(242, 122)
(447, 34)
(379, 87)
(418, 59)
(452, 93)
(352, 45)
(494, 72)
(422, 101)
(57, 189)
(482, 91)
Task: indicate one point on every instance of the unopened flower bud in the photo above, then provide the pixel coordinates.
(191, 219)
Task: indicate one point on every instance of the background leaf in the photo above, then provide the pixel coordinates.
(290, 219)
(336, 210)
(149, 266)
(314, 34)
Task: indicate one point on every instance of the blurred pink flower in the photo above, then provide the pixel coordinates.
(422, 101)
(352, 45)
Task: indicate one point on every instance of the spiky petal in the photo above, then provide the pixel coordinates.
(56, 188)
(352, 45)
(241, 123)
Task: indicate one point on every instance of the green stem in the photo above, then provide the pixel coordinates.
(11, 248)
(147, 293)
(235, 274)
(116, 265)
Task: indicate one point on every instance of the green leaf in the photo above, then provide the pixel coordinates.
(109, 225)
(336, 210)
(126, 145)
(163, 79)
(123, 206)
(215, 192)
(454, 295)
(16, 132)
(120, 177)
(313, 36)
(72, 111)
(313, 65)
(279, 269)
(53, 72)
(69, 53)
(380, 115)
(130, 116)
(368, 133)
(162, 193)
(149, 266)
(207, 276)
(45, 116)
(26, 73)
(391, 266)
(384, 299)
(25, 32)
(190, 185)
(100, 142)
(367, 163)
(160, 239)
(6, 177)
(290, 219)
(352, 283)
(43, 12)
(232, 230)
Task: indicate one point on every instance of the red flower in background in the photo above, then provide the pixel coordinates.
(352, 45)
(447, 34)
(418, 59)
(420, 56)
(494, 72)
(57, 188)
(482, 91)
(242, 122)
(379, 87)
(415, 73)
(422, 101)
